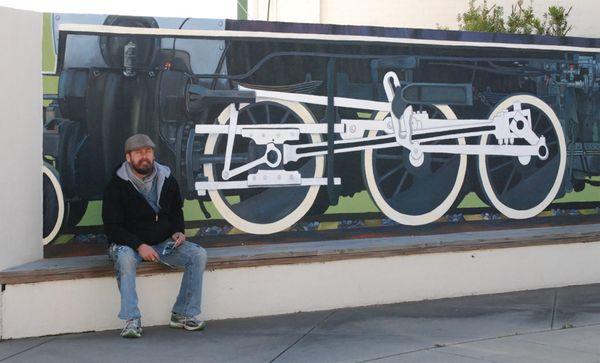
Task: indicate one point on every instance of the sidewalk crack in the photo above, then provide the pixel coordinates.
(28, 349)
(302, 337)
(554, 309)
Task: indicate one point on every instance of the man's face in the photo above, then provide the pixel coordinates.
(141, 160)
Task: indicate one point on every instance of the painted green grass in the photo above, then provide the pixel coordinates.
(49, 83)
(359, 203)
(47, 44)
(191, 212)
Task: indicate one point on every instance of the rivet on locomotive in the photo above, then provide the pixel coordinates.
(271, 121)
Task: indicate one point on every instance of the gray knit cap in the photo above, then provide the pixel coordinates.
(138, 141)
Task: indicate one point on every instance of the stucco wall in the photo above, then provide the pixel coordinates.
(20, 137)
(93, 304)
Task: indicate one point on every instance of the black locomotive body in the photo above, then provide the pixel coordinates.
(269, 73)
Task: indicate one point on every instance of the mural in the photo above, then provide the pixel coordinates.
(271, 122)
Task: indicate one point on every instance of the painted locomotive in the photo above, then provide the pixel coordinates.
(292, 116)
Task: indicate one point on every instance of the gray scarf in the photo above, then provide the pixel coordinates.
(146, 186)
(143, 185)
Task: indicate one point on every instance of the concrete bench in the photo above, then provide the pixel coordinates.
(75, 294)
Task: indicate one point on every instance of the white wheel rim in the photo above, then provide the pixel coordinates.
(483, 174)
(61, 204)
(408, 219)
(289, 220)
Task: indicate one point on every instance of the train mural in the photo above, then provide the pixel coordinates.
(273, 121)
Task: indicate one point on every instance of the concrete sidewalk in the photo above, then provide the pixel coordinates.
(550, 325)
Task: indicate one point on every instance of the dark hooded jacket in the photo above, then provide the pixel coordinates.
(130, 220)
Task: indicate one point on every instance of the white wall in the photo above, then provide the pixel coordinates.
(20, 137)
(93, 304)
(411, 13)
(306, 11)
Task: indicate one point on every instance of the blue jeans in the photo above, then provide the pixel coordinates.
(188, 255)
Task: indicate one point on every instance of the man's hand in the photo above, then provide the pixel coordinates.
(179, 238)
(148, 253)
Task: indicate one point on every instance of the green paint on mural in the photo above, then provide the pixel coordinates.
(359, 203)
(62, 239)
(471, 200)
(242, 9)
(191, 212)
(47, 45)
(49, 83)
(588, 194)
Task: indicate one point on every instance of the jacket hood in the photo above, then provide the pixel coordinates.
(162, 173)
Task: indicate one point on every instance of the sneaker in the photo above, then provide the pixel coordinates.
(132, 329)
(186, 322)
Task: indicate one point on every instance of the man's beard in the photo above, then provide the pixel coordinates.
(143, 167)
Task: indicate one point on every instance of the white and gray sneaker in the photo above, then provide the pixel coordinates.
(186, 322)
(132, 329)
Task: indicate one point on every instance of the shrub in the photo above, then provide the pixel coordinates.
(482, 17)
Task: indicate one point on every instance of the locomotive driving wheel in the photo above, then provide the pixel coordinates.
(269, 209)
(415, 195)
(523, 188)
(53, 203)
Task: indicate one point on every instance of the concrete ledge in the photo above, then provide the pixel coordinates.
(379, 272)
(71, 268)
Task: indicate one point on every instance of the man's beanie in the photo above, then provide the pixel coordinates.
(138, 141)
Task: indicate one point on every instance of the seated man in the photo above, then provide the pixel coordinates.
(143, 220)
